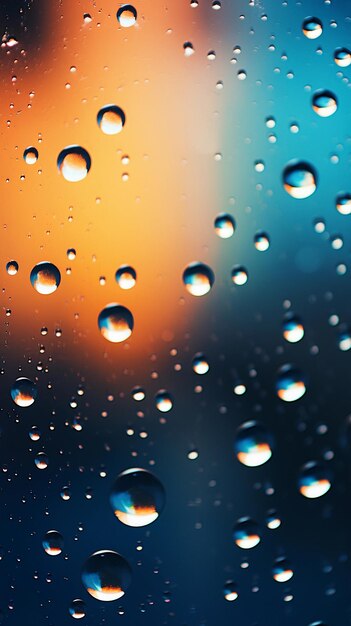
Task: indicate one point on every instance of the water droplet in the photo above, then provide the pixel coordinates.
(324, 103)
(193, 455)
(127, 15)
(239, 275)
(314, 480)
(253, 444)
(343, 203)
(290, 383)
(230, 591)
(138, 394)
(200, 364)
(259, 166)
(342, 57)
(106, 575)
(344, 339)
(126, 277)
(12, 268)
(198, 279)
(282, 571)
(45, 277)
(137, 497)
(319, 225)
(261, 241)
(224, 225)
(111, 119)
(293, 330)
(74, 163)
(272, 520)
(239, 389)
(53, 543)
(188, 48)
(65, 493)
(41, 460)
(71, 254)
(34, 433)
(77, 608)
(312, 27)
(245, 533)
(241, 75)
(24, 392)
(116, 322)
(30, 155)
(164, 401)
(299, 179)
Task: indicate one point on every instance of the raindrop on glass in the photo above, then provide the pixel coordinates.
(106, 575)
(53, 543)
(127, 15)
(126, 277)
(224, 225)
(253, 444)
(116, 323)
(111, 119)
(198, 279)
(45, 277)
(312, 27)
(74, 163)
(299, 179)
(24, 392)
(137, 497)
(314, 480)
(290, 383)
(324, 103)
(246, 533)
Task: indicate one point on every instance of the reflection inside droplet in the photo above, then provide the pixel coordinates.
(116, 322)
(74, 163)
(106, 575)
(137, 497)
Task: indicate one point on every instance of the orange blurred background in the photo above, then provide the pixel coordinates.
(158, 220)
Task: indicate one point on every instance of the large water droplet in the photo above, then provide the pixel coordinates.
(12, 268)
(246, 534)
(77, 609)
(164, 401)
(282, 571)
(106, 575)
(30, 155)
(127, 15)
(45, 277)
(261, 241)
(24, 392)
(312, 27)
(53, 542)
(314, 480)
(253, 444)
(200, 364)
(126, 277)
(239, 275)
(116, 322)
(230, 591)
(74, 163)
(41, 460)
(290, 383)
(198, 279)
(299, 179)
(293, 330)
(343, 203)
(137, 497)
(111, 119)
(224, 225)
(342, 57)
(324, 103)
